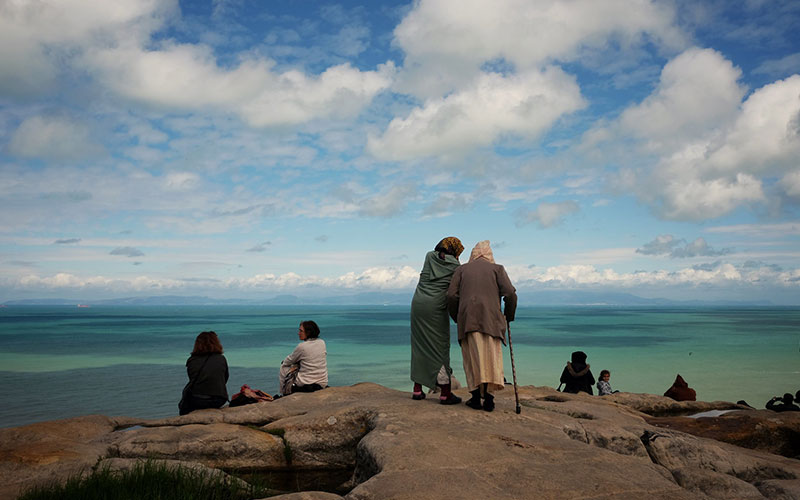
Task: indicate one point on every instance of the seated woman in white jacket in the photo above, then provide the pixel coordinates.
(306, 368)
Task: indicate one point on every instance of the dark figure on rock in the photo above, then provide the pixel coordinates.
(208, 373)
(577, 377)
(680, 391)
(782, 404)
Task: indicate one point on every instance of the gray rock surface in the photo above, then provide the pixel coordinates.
(560, 446)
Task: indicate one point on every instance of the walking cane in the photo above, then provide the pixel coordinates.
(513, 368)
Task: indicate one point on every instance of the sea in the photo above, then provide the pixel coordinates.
(66, 361)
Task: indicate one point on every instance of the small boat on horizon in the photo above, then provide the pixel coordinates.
(83, 305)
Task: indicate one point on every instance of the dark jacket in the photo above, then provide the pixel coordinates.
(473, 299)
(211, 381)
(577, 377)
(680, 391)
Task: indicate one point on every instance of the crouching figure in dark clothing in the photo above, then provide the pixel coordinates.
(782, 404)
(577, 377)
(680, 390)
(208, 373)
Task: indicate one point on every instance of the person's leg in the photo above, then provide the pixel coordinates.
(417, 394)
(286, 378)
(488, 399)
(443, 381)
(475, 401)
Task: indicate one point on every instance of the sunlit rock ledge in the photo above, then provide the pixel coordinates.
(370, 442)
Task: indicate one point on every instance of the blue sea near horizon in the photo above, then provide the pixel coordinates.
(61, 361)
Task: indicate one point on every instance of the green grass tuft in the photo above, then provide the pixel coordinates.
(147, 479)
(276, 432)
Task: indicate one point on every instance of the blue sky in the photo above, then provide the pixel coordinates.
(251, 149)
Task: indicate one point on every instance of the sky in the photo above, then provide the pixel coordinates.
(239, 149)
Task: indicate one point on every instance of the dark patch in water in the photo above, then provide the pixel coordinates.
(596, 341)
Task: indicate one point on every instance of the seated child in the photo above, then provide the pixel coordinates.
(603, 387)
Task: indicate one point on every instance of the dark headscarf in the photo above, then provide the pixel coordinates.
(579, 357)
(451, 246)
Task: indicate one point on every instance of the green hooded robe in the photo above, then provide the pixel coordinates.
(430, 323)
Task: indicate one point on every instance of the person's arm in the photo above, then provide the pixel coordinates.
(509, 294)
(295, 357)
(226, 368)
(453, 295)
(771, 404)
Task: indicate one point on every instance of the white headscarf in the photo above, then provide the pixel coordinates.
(482, 250)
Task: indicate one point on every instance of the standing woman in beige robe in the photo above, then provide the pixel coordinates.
(473, 301)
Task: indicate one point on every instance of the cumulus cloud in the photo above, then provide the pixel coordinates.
(712, 153)
(37, 37)
(666, 244)
(697, 92)
(790, 184)
(188, 77)
(525, 104)
(547, 214)
(66, 241)
(117, 43)
(446, 42)
(719, 274)
(53, 138)
(127, 252)
(724, 276)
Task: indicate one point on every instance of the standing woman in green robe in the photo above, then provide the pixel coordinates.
(430, 323)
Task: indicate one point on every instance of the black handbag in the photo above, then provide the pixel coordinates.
(186, 395)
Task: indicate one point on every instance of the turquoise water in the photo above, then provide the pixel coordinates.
(58, 362)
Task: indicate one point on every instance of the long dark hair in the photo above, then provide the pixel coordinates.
(311, 329)
(207, 343)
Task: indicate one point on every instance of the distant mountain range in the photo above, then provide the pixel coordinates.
(539, 298)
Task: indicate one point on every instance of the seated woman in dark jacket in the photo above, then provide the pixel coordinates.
(577, 377)
(208, 374)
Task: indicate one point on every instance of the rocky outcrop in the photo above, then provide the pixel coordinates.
(764, 430)
(378, 443)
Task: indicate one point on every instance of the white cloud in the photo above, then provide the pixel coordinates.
(697, 93)
(37, 37)
(526, 104)
(446, 41)
(547, 214)
(53, 138)
(188, 77)
(765, 136)
(722, 276)
(114, 43)
(791, 184)
(713, 153)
